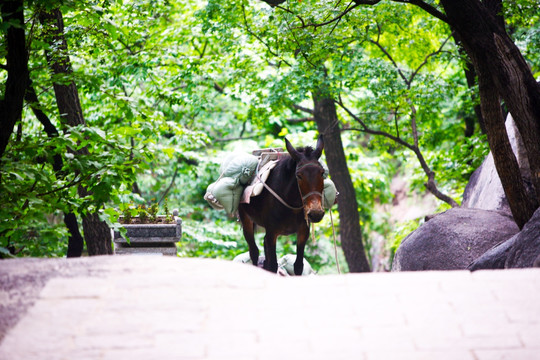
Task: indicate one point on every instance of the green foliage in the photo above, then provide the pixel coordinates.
(213, 239)
(400, 233)
(143, 214)
(128, 212)
(152, 212)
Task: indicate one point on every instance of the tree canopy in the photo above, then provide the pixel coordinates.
(167, 86)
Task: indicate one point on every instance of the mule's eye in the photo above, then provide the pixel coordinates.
(299, 176)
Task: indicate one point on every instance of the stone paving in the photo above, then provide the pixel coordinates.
(150, 307)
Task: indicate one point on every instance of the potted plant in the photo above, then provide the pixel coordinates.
(147, 232)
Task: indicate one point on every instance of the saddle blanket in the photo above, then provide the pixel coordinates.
(256, 186)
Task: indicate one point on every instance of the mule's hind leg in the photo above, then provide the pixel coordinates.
(248, 227)
(270, 261)
(301, 238)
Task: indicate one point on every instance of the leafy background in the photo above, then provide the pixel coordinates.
(169, 86)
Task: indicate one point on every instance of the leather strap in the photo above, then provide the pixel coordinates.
(277, 196)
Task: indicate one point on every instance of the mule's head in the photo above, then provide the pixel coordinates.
(310, 178)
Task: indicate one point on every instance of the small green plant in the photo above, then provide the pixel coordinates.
(168, 217)
(152, 212)
(128, 211)
(143, 214)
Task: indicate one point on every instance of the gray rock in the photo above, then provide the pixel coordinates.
(521, 250)
(453, 239)
(525, 250)
(484, 190)
(494, 258)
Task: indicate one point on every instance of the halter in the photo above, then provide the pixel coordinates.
(304, 197)
(311, 192)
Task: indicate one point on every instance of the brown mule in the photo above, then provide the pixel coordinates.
(293, 201)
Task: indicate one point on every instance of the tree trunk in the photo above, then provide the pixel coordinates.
(96, 233)
(75, 240)
(503, 156)
(502, 69)
(17, 70)
(350, 231)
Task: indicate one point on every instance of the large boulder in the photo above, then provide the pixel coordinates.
(484, 190)
(525, 252)
(453, 239)
(520, 251)
(494, 258)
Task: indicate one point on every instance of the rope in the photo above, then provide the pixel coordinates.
(334, 236)
(335, 244)
(276, 195)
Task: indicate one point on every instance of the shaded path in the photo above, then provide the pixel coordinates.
(148, 307)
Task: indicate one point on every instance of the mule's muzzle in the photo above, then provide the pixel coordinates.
(315, 215)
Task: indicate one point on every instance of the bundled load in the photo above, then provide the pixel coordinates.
(238, 174)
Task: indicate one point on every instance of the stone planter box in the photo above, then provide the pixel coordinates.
(158, 239)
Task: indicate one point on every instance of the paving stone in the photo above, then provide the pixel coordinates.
(529, 335)
(510, 354)
(430, 341)
(420, 355)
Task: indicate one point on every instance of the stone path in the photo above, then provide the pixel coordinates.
(149, 307)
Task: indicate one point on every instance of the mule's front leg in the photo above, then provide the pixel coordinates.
(248, 228)
(270, 262)
(301, 239)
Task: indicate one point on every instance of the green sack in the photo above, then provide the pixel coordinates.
(227, 192)
(329, 193)
(209, 196)
(287, 263)
(240, 166)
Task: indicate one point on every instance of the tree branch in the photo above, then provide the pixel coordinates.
(435, 53)
(76, 181)
(338, 17)
(33, 101)
(290, 12)
(431, 185)
(238, 138)
(249, 31)
(48, 126)
(304, 109)
(387, 54)
(426, 7)
(301, 120)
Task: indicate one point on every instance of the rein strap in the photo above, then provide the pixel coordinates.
(277, 196)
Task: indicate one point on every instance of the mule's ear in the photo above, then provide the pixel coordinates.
(292, 151)
(319, 148)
